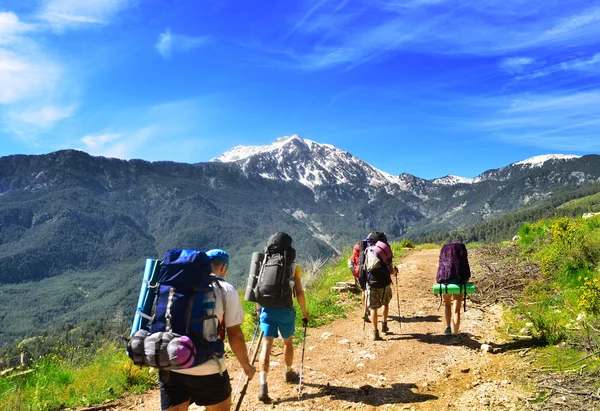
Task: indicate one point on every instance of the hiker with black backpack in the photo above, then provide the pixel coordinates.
(377, 270)
(278, 281)
(208, 384)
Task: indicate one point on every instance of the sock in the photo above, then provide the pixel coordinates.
(263, 377)
(288, 368)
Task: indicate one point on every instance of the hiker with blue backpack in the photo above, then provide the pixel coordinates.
(376, 273)
(278, 281)
(194, 308)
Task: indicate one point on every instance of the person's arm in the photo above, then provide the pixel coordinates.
(300, 296)
(238, 346)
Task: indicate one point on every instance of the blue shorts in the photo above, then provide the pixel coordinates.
(278, 319)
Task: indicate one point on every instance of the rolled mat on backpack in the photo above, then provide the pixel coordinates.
(146, 296)
(454, 288)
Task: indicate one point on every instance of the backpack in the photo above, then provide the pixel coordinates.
(354, 262)
(375, 259)
(273, 287)
(453, 267)
(453, 264)
(183, 321)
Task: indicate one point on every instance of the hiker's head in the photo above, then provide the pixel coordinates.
(219, 260)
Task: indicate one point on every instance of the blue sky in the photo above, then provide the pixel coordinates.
(427, 87)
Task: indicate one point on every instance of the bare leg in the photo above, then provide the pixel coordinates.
(458, 298)
(386, 310)
(447, 309)
(374, 318)
(222, 406)
(183, 406)
(288, 351)
(265, 354)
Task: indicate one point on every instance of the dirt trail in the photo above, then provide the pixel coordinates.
(413, 368)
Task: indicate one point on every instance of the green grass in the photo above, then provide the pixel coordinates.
(53, 383)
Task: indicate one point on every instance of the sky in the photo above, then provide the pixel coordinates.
(426, 87)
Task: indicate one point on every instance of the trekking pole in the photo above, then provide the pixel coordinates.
(237, 389)
(245, 387)
(302, 363)
(398, 299)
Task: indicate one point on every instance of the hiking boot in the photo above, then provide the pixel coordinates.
(448, 331)
(291, 376)
(376, 336)
(384, 327)
(263, 392)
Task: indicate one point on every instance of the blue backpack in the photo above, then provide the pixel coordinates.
(184, 305)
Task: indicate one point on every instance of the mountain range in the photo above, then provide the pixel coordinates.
(75, 229)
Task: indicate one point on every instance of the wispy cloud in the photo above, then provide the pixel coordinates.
(567, 121)
(327, 35)
(46, 116)
(590, 64)
(516, 64)
(158, 132)
(62, 14)
(169, 43)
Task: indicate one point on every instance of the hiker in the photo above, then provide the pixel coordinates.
(377, 272)
(355, 266)
(275, 310)
(453, 268)
(208, 384)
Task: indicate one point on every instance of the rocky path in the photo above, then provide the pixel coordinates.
(414, 368)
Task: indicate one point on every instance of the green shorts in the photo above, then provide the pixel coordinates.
(378, 297)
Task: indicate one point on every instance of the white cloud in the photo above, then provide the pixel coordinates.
(25, 71)
(61, 14)
(46, 116)
(558, 121)
(169, 43)
(96, 142)
(516, 64)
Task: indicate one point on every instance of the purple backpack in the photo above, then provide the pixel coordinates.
(453, 265)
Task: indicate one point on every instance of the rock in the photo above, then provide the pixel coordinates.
(486, 348)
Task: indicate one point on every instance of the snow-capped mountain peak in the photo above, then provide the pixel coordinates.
(243, 152)
(450, 180)
(538, 161)
(308, 162)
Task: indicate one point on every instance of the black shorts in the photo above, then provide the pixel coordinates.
(176, 388)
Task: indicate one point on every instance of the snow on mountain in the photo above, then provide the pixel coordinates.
(308, 162)
(538, 161)
(451, 180)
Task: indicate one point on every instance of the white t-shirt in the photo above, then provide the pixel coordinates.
(229, 308)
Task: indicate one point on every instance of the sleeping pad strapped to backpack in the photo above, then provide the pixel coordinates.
(184, 330)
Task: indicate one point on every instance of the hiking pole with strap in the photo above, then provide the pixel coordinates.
(237, 389)
(398, 299)
(302, 363)
(245, 387)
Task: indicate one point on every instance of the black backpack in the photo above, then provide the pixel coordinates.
(273, 287)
